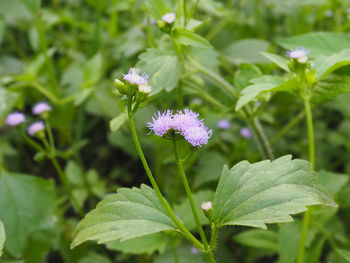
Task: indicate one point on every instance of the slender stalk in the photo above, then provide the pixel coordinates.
(164, 203)
(307, 215)
(181, 172)
(66, 184)
(185, 12)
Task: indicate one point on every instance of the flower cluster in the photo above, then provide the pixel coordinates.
(185, 123)
(299, 54)
(17, 118)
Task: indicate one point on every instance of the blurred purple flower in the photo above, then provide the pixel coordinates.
(246, 133)
(329, 13)
(224, 124)
(184, 122)
(194, 250)
(297, 53)
(134, 78)
(15, 118)
(169, 18)
(35, 128)
(151, 21)
(41, 107)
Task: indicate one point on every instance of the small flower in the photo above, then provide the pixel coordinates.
(35, 127)
(206, 206)
(224, 124)
(15, 118)
(329, 13)
(41, 107)
(145, 89)
(161, 123)
(197, 135)
(196, 101)
(194, 250)
(297, 53)
(246, 133)
(151, 21)
(134, 78)
(169, 18)
(185, 119)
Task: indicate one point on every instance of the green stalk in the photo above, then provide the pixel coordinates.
(307, 215)
(164, 203)
(185, 12)
(181, 172)
(66, 184)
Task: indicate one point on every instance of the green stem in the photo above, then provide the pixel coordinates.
(307, 215)
(181, 172)
(164, 203)
(66, 184)
(185, 12)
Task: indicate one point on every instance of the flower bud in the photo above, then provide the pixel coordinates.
(207, 209)
(145, 89)
(122, 88)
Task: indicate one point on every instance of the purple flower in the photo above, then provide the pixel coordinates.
(161, 123)
(185, 119)
(197, 135)
(194, 250)
(169, 18)
(134, 78)
(246, 133)
(15, 118)
(35, 128)
(184, 122)
(41, 107)
(224, 124)
(298, 53)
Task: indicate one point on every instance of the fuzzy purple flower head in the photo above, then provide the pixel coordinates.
(246, 133)
(185, 123)
(15, 118)
(134, 78)
(35, 127)
(297, 53)
(169, 18)
(41, 107)
(224, 124)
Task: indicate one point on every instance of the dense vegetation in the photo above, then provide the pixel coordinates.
(174, 131)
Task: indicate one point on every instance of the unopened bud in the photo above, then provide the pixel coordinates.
(302, 60)
(145, 89)
(206, 206)
(122, 88)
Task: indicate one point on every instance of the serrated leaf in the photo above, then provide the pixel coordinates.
(118, 121)
(278, 60)
(163, 66)
(262, 85)
(329, 88)
(267, 192)
(129, 214)
(2, 237)
(257, 238)
(318, 43)
(26, 208)
(189, 38)
(142, 245)
(327, 64)
(247, 51)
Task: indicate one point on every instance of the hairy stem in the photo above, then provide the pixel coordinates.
(164, 203)
(307, 215)
(182, 174)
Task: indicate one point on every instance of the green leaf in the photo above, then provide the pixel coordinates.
(288, 242)
(329, 88)
(182, 210)
(266, 192)
(327, 64)
(129, 214)
(93, 70)
(2, 237)
(26, 208)
(189, 38)
(247, 51)
(257, 238)
(262, 85)
(245, 74)
(333, 182)
(7, 101)
(163, 66)
(318, 43)
(186, 254)
(278, 60)
(118, 121)
(142, 245)
(344, 254)
(158, 8)
(32, 5)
